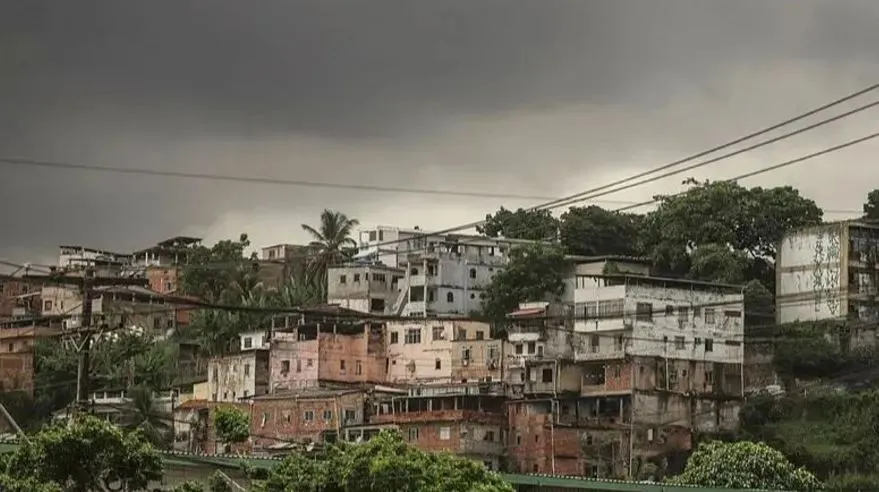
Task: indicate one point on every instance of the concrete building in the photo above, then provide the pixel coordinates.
(281, 262)
(312, 354)
(17, 356)
(240, 376)
(444, 273)
(828, 272)
(135, 308)
(643, 363)
(442, 351)
(364, 288)
(106, 263)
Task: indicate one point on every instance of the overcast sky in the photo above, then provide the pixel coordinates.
(538, 97)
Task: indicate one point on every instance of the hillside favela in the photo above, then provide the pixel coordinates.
(439, 246)
(563, 353)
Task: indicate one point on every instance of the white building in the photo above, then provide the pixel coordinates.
(828, 272)
(240, 376)
(645, 316)
(366, 288)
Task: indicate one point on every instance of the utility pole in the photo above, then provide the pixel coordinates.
(84, 344)
(87, 284)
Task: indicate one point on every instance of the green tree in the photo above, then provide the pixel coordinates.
(221, 273)
(534, 273)
(594, 231)
(744, 465)
(534, 225)
(9, 484)
(331, 242)
(383, 463)
(871, 206)
(748, 221)
(91, 454)
(232, 425)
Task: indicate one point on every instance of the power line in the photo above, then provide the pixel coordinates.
(260, 180)
(589, 195)
(730, 143)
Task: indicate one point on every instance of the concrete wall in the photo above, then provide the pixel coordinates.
(238, 376)
(356, 287)
(431, 358)
(811, 274)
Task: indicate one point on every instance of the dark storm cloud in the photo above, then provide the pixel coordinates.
(323, 89)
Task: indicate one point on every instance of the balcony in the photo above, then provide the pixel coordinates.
(587, 355)
(439, 416)
(482, 447)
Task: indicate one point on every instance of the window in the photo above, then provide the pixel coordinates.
(709, 345)
(47, 305)
(328, 415)
(245, 394)
(216, 374)
(445, 433)
(343, 279)
(680, 344)
(372, 235)
(532, 347)
(492, 353)
(342, 366)
(697, 311)
(395, 337)
(669, 310)
(413, 433)
(358, 368)
(595, 343)
(709, 316)
(438, 364)
(518, 349)
(413, 335)
(617, 371)
(308, 416)
(644, 311)
(480, 335)
(610, 308)
(285, 366)
(450, 297)
(357, 277)
(248, 342)
(309, 362)
(546, 375)
(590, 309)
(350, 416)
(472, 273)
(298, 365)
(157, 323)
(11, 347)
(683, 314)
(732, 314)
(618, 345)
(247, 369)
(438, 332)
(465, 354)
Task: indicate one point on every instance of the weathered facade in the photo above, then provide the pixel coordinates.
(364, 288)
(626, 377)
(239, 376)
(310, 354)
(465, 419)
(442, 351)
(828, 272)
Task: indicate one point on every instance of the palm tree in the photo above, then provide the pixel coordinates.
(331, 243)
(143, 414)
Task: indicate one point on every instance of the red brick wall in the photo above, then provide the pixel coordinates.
(533, 441)
(618, 376)
(276, 420)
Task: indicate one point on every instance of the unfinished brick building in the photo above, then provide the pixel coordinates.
(465, 419)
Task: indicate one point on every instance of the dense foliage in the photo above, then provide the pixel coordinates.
(594, 231)
(744, 465)
(384, 463)
(331, 243)
(871, 206)
(534, 273)
(91, 454)
(534, 225)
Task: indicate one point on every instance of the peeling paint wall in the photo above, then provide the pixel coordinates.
(810, 274)
(426, 350)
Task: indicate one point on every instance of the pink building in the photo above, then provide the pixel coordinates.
(314, 353)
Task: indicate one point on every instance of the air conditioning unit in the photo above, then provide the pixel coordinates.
(465, 362)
